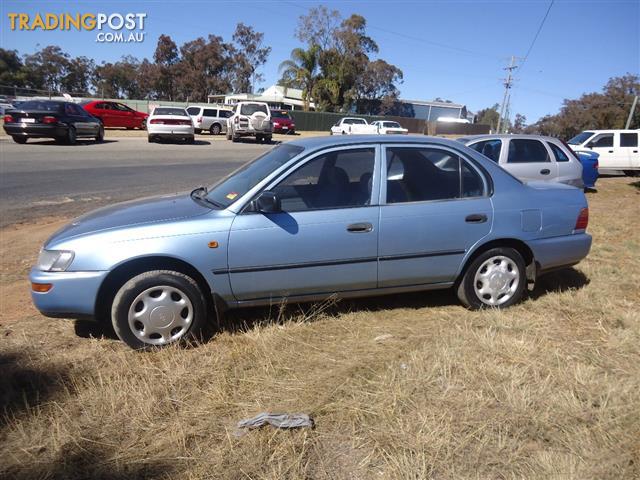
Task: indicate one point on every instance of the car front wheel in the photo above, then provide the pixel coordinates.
(496, 278)
(158, 308)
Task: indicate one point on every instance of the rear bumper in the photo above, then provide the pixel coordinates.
(557, 252)
(36, 131)
(182, 131)
(72, 295)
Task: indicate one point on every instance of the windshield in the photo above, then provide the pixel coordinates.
(251, 108)
(179, 112)
(43, 105)
(230, 188)
(580, 138)
(279, 114)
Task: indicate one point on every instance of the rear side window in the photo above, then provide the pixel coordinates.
(208, 112)
(225, 113)
(489, 148)
(527, 151)
(558, 153)
(603, 140)
(425, 174)
(628, 139)
(193, 110)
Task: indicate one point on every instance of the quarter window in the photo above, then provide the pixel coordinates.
(558, 153)
(193, 110)
(628, 139)
(603, 141)
(527, 151)
(489, 148)
(208, 112)
(423, 174)
(333, 180)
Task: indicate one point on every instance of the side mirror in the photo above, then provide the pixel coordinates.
(266, 202)
(590, 145)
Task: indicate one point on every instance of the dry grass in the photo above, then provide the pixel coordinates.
(409, 386)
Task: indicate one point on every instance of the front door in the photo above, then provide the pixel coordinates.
(529, 160)
(325, 238)
(434, 208)
(609, 157)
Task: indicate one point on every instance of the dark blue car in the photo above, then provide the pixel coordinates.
(589, 161)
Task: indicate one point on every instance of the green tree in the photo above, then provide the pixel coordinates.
(11, 68)
(519, 123)
(248, 56)
(301, 71)
(489, 116)
(164, 72)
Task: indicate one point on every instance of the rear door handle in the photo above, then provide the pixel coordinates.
(364, 227)
(476, 218)
(610, 151)
(545, 171)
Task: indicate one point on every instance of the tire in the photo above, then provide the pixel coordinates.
(100, 135)
(234, 137)
(228, 134)
(150, 139)
(198, 131)
(20, 140)
(159, 297)
(632, 173)
(259, 138)
(72, 137)
(190, 140)
(143, 125)
(503, 287)
(267, 139)
(215, 129)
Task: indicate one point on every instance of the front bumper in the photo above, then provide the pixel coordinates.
(35, 131)
(557, 252)
(73, 293)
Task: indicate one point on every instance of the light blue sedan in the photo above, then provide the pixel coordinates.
(352, 216)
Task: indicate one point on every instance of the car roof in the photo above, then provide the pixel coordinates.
(339, 140)
(489, 136)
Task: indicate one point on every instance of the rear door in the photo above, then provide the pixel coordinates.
(434, 207)
(529, 160)
(569, 168)
(629, 148)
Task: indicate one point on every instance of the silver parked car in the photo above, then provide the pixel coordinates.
(530, 157)
(207, 118)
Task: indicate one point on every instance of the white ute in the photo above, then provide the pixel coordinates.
(353, 126)
(618, 149)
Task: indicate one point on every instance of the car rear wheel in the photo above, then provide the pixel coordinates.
(632, 173)
(71, 136)
(158, 308)
(100, 134)
(234, 137)
(496, 278)
(20, 140)
(215, 129)
(198, 130)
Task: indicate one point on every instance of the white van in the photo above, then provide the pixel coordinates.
(209, 118)
(618, 149)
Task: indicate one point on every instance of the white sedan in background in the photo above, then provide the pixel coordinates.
(391, 128)
(171, 123)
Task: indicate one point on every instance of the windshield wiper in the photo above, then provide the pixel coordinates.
(200, 194)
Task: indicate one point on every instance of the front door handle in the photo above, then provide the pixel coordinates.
(364, 227)
(476, 218)
(545, 171)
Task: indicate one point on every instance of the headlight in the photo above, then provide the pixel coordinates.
(54, 260)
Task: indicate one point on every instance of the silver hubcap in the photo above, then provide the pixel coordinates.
(496, 280)
(160, 315)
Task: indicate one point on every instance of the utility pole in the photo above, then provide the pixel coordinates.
(633, 109)
(507, 86)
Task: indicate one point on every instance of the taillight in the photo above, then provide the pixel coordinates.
(8, 119)
(583, 219)
(49, 119)
(199, 119)
(157, 121)
(596, 165)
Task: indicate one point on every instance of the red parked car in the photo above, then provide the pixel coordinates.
(114, 114)
(282, 122)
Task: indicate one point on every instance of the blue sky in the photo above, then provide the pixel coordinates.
(451, 49)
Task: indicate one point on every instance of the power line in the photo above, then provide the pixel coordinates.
(535, 38)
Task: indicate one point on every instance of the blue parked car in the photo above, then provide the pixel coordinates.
(350, 215)
(589, 161)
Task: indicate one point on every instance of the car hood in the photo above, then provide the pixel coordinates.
(136, 212)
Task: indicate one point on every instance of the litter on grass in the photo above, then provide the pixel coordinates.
(277, 420)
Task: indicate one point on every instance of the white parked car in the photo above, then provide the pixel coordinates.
(386, 127)
(250, 119)
(209, 118)
(353, 126)
(5, 106)
(170, 122)
(618, 149)
(530, 157)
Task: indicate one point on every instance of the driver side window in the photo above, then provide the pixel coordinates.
(338, 179)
